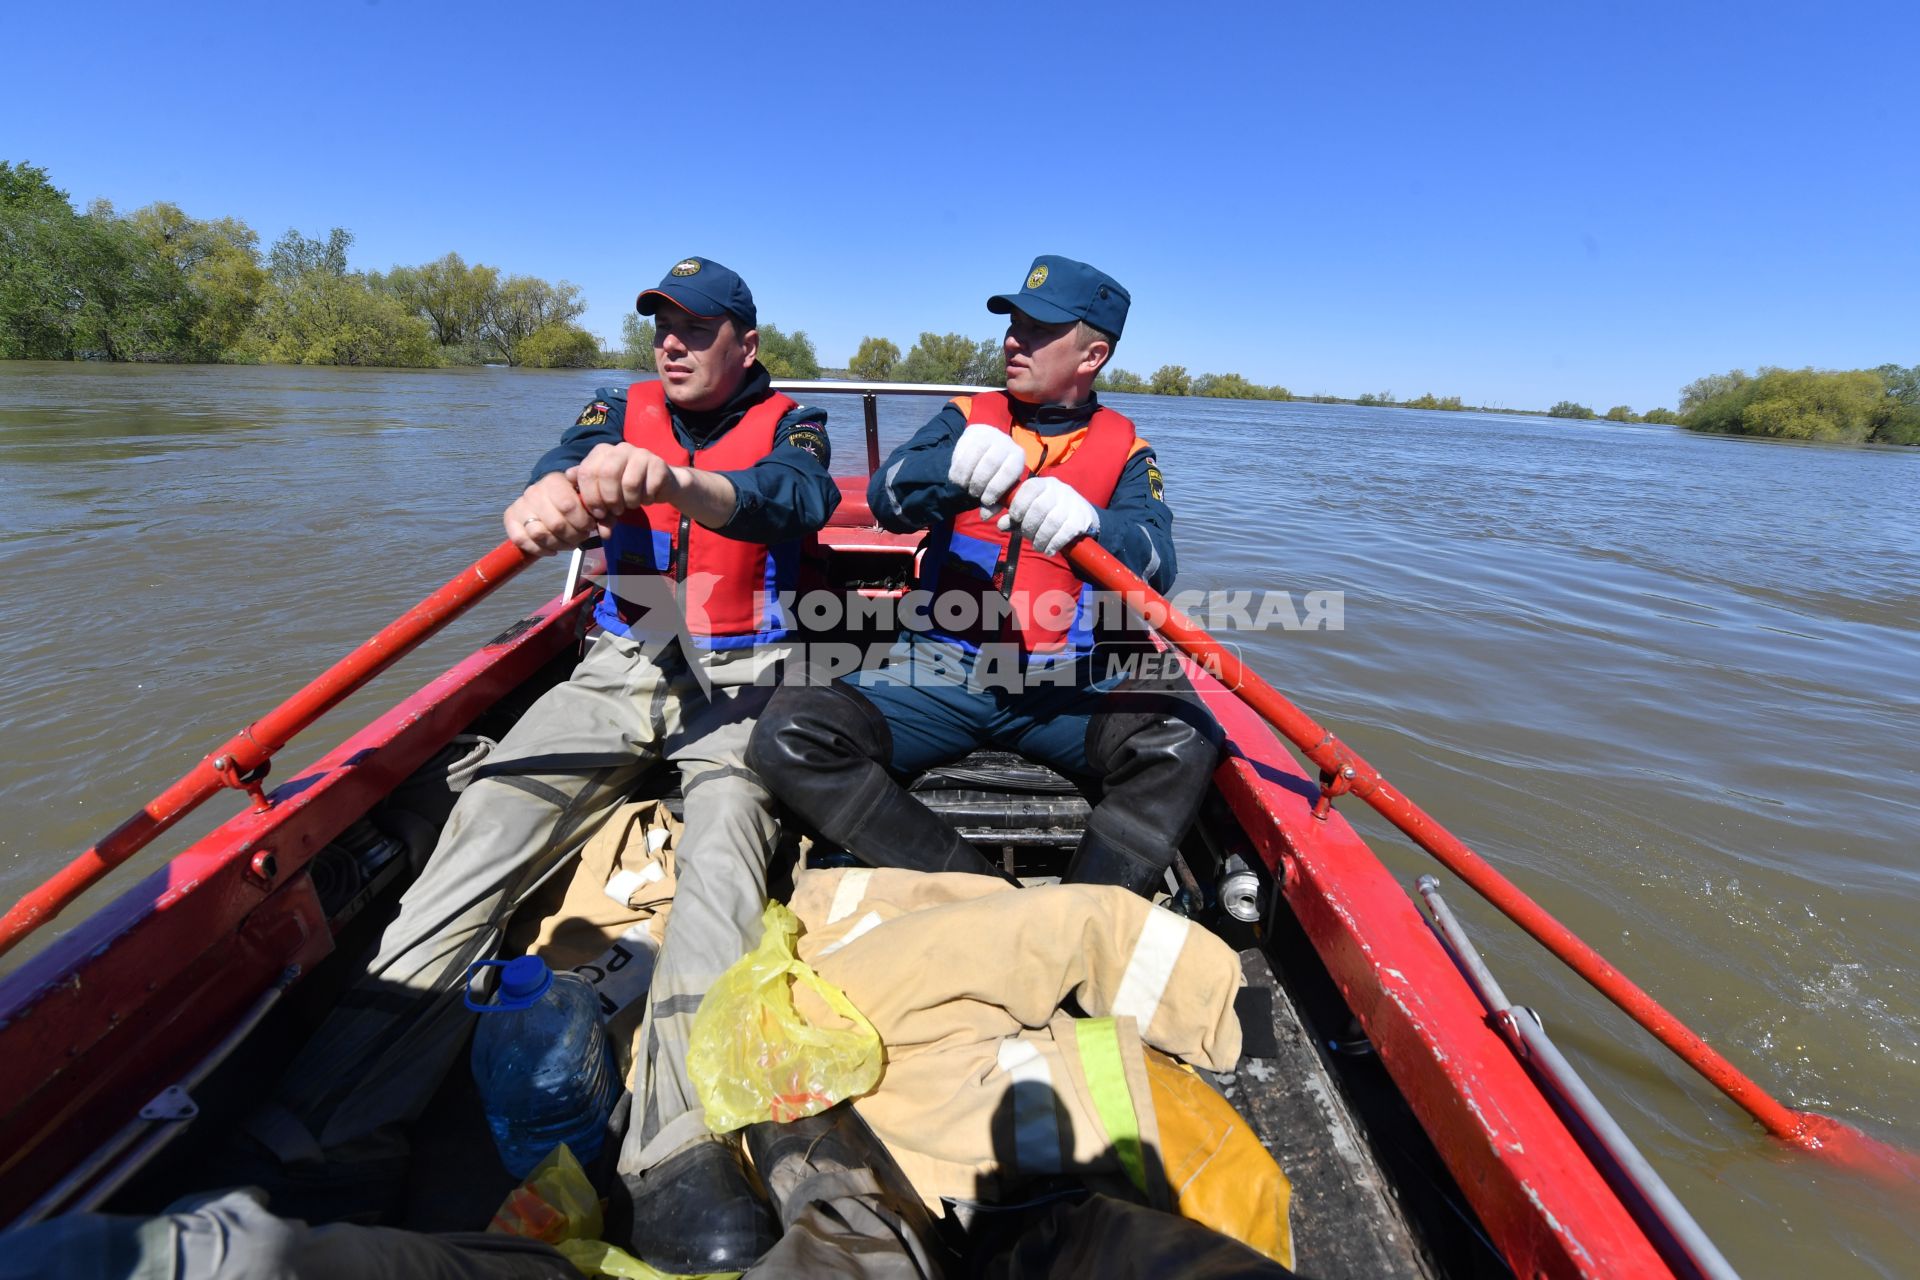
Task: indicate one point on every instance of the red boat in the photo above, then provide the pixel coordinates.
(1417, 1140)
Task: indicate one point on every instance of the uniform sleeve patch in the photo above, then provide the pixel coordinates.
(1154, 486)
(810, 439)
(593, 415)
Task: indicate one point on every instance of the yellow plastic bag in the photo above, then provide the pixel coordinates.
(555, 1203)
(752, 1056)
(598, 1258)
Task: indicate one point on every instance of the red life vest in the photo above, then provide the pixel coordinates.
(728, 589)
(1046, 606)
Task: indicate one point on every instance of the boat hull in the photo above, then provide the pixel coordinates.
(111, 1014)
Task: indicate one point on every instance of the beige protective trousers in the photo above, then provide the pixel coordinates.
(576, 754)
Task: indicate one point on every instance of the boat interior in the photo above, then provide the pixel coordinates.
(1370, 1194)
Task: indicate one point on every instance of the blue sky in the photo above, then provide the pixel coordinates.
(1513, 203)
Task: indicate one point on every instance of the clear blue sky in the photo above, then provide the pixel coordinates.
(1513, 203)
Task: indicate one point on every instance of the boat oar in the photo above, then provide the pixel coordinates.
(1343, 772)
(241, 761)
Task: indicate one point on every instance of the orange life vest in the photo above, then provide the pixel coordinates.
(1047, 609)
(728, 589)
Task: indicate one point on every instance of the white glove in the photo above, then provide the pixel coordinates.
(1051, 513)
(986, 463)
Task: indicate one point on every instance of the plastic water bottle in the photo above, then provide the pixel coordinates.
(541, 1059)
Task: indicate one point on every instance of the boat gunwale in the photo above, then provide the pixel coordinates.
(1536, 1189)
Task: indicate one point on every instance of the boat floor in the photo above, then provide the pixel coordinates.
(1346, 1222)
(1307, 1085)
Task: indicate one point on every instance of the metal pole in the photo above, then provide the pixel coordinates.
(870, 403)
(1522, 1029)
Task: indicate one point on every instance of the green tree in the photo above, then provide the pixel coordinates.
(130, 304)
(1665, 417)
(1568, 409)
(1171, 380)
(39, 295)
(218, 264)
(1900, 423)
(560, 346)
(26, 185)
(875, 361)
(1902, 384)
(1808, 404)
(636, 333)
(1797, 404)
(294, 257)
(451, 296)
(1620, 413)
(321, 318)
(788, 355)
(316, 311)
(939, 358)
(1119, 380)
(1715, 386)
(1231, 386)
(519, 306)
(1380, 397)
(1223, 386)
(1431, 401)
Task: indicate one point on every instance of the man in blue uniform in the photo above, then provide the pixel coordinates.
(705, 475)
(1004, 599)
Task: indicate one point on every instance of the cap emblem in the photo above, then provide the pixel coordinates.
(690, 267)
(1037, 277)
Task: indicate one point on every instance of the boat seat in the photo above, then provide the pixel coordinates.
(995, 770)
(1012, 809)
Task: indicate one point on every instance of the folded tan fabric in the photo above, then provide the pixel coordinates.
(964, 978)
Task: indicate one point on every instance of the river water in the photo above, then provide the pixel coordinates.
(1668, 683)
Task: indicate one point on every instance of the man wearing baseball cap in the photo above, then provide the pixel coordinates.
(703, 485)
(1005, 654)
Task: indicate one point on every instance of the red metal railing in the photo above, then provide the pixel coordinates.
(241, 761)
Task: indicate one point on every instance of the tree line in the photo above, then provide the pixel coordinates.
(956, 358)
(159, 285)
(1859, 406)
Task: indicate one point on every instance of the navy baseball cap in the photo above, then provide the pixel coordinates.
(1059, 289)
(704, 287)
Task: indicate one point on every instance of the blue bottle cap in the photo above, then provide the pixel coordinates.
(522, 982)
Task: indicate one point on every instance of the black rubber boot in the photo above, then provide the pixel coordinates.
(827, 1158)
(1099, 861)
(821, 749)
(1154, 748)
(696, 1212)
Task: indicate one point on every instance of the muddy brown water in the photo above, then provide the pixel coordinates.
(1670, 684)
